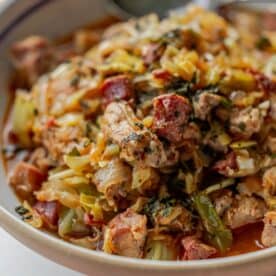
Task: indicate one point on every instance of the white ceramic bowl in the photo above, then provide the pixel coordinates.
(54, 18)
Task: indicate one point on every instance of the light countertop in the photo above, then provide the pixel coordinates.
(17, 260)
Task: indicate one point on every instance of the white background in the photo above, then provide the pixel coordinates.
(17, 260)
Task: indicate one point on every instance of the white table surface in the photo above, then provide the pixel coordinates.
(17, 260)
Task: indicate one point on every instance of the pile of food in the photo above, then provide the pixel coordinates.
(157, 142)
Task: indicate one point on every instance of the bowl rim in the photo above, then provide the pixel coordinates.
(13, 224)
(10, 222)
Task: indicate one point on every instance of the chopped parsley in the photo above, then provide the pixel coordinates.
(74, 152)
(273, 155)
(139, 125)
(242, 126)
(75, 81)
(20, 210)
(263, 43)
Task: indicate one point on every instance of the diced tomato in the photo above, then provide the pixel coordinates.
(48, 211)
(171, 113)
(117, 88)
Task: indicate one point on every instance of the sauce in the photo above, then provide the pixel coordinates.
(245, 239)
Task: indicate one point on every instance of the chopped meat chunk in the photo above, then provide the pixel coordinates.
(204, 103)
(171, 113)
(244, 210)
(33, 57)
(223, 201)
(25, 179)
(48, 211)
(194, 249)
(269, 182)
(117, 88)
(60, 140)
(191, 132)
(113, 181)
(39, 158)
(126, 234)
(269, 232)
(251, 185)
(137, 143)
(151, 52)
(246, 122)
(227, 166)
(237, 164)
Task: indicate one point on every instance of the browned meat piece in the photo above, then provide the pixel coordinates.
(117, 88)
(26, 179)
(60, 140)
(33, 57)
(244, 210)
(194, 249)
(269, 182)
(250, 185)
(126, 234)
(269, 232)
(246, 122)
(137, 143)
(223, 201)
(113, 181)
(171, 114)
(204, 103)
(39, 158)
(191, 132)
(48, 211)
(227, 166)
